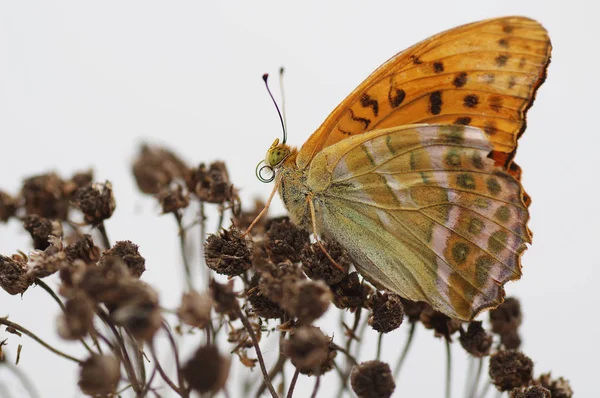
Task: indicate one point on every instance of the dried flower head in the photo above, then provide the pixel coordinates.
(350, 292)
(228, 253)
(13, 275)
(77, 320)
(195, 309)
(559, 388)
(96, 202)
(8, 206)
(40, 229)
(44, 195)
(530, 392)
(316, 265)
(285, 241)
(103, 282)
(306, 300)
(510, 369)
(225, 299)
(413, 309)
(207, 370)
(211, 185)
(129, 253)
(275, 280)
(511, 340)
(372, 379)
(79, 180)
(507, 317)
(387, 311)
(173, 198)
(439, 322)
(43, 263)
(476, 341)
(155, 168)
(138, 310)
(83, 249)
(99, 375)
(310, 350)
(261, 305)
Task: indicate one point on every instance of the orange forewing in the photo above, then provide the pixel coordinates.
(483, 74)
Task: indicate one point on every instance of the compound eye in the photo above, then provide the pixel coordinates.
(276, 156)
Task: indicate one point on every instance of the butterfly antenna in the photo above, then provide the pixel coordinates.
(281, 70)
(265, 78)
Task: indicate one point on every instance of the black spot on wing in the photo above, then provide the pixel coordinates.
(471, 100)
(367, 102)
(435, 102)
(397, 98)
(363, 120)
(438, 67)
(460, 80)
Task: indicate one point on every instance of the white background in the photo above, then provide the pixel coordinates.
(82, 84)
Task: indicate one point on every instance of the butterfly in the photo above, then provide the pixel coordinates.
(413, 172)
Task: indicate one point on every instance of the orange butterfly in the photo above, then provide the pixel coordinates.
(413, 174)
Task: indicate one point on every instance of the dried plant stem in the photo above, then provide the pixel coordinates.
(176, 356)
(317, 385)
(104, 235)
(163, 374)
(345, 352)
(202, 240)
(184, 257)
(448, 369)
(379, 344)
(351, 336)
(261, 361)
(407, 345)
(277, 368)
(49, 290)
(22, 376)
(293, 383)
(475, 385)
(23, 330)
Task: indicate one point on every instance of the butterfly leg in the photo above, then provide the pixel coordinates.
(314, 225)
(264, 210)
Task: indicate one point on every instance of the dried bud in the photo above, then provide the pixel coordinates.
(211, 185)
(387, 312)
(79, 180)
(307, 300)
(316, 265)
(40, 229)
(310, 350)
(103, 282)
(138, 310)
(128, 252)
(441, 323)
(350, 292)
(413, 309)
(8, 206)
(96, 202)
(285, 241)
(511, 340)
(530, 392)
(83, 249)
(261, 305)
(44, 195)
(155, 168)
(77, 319)
(43, 263)
(224, 298)
(195, 309)
(559, 388)
(228, 253)
(507, 317)
(510, 369)
(207, 370)
(275, 280)
(372, 379)
(13, 275)
(99, 375)
(172, 199)
(476, 341)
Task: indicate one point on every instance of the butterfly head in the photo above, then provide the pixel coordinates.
(276, 154)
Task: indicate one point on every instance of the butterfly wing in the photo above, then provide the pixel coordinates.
(424, 213)
(484, 74)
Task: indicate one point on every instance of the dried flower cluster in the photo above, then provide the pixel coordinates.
(272, 281)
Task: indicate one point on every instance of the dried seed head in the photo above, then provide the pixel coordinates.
(261, 305)
(310, 350)
(8, 206)
(83, 249)
(350, 292)
(211, 185)
(40, 229)
(173, 198)
(439, 322)
(510, 369)
(559, 388)
(129, 253)
(507, 317)
(530, 392)
(43, 263)
(207, 370)
(228, 253)
(476, 341)
(511, 340)
(96, 202)
(137, 309)
(225, 299)
(44, 195)
(195, 309)
(387, 312)
(275, 280)
(307, 300)
(103, 282)
(77, 320)
(155, 168)
(99, 375)
(13, 275)
(413, 309)
(79, 180)
(316, 265)
(285, 241)
(372, 379)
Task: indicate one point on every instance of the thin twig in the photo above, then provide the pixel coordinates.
(21, 329)
(293, 383)
(261, 361)
(277, 368)
(23, 378)
(104, 235)
(317, 385)
(407, 346)
(475, 385)
(448, 369)
(162, 372)
(348, 355)
(184, 257)
(176, 356)
(379, 344)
